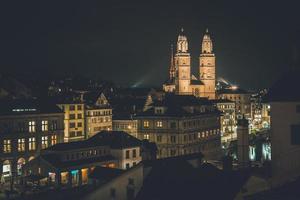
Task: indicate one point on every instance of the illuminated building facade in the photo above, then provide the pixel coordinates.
(227, 119)
(181, 125)
(241, 98)
(27, 127)
(126, 124)
(181, 81)
(70, 164)
(98, 115)
(74, 121)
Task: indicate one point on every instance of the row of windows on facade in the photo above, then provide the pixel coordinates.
(21, 143)
(86, 154)
(99, 113)
(193, 123)
(73, 125)
(99, 119)
(189, 137)
(102, 128)
(190, 150)
(125, 126)
(74, 107)
(227, 106)
(73, 116)
(127, 154)
(32, 126)
(75, 133)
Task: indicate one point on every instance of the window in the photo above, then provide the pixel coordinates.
(72, 107)
(173, 124)
(127, 154)
(158, 138)
(295, 134)
(72, 116)
(127, 165)
(6, 146)
(54, 125)
(159, 124)
(44, 125)
(79, 124)
(79, 107)
(146, 124)
(134, 153)
(44, 142)
(72, 134)
(199, 135)
(53, 139)
(146, 136)
(79, 116)
(72, 125)
(31, 125)
(21, 144)
(31, 145)
(173, 139)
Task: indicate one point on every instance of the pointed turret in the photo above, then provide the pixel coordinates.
(172, 70)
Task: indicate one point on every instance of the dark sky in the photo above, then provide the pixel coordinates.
(129, 42)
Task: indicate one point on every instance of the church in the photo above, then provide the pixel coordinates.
(181, 81)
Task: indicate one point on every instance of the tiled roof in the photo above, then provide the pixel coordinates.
(56, 162)
(27, 106)
(114, 139)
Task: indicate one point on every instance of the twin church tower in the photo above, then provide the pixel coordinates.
(181, 81)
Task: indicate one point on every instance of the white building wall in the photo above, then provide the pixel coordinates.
(120, 154)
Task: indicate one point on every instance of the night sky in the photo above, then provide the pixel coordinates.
(129, 42)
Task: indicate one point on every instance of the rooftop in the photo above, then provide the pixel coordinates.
(114, 139)
(27, 106)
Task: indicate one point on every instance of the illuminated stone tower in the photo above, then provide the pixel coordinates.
(207, 67)
(182, 65)
(172, 69)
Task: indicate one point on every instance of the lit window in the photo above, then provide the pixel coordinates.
(44, 142)
(199, 135)
(159, 124)
(31, 145)
(21, 144)
(146, 136)
(31, 126)
(6, 146)
(44, 125)
(53, 139)
(146, 124)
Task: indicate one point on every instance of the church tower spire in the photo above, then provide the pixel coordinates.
(172, 69)
(207, 67)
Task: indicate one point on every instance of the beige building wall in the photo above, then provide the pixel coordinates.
(127, 125)
(98, 119)
(73, 121)
(126, 157)
(285, 155)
